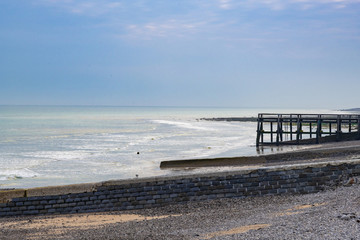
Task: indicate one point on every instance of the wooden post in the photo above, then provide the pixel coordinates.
(278, 131)
(338, 130)
(350, 124)
(271, 131)
(291, 133)
(262, 132)
(358, 127)
(258, 131)
(310, 130)
(281, 129)
(298, 129)
(318, 130)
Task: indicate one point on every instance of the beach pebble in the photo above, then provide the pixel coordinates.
(347, 216)
(351, 181)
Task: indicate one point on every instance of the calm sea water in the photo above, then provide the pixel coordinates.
(43, 145)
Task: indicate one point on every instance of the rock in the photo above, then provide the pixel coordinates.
(351, 181)
(347, 216)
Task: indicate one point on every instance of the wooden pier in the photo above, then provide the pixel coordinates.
(281, 129)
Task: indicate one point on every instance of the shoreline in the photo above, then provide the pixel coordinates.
(315, 154)
(332, 213)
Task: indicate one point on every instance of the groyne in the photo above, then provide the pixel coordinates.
(310, 154)
(161, 191)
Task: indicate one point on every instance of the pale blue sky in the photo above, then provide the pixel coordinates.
(249, 53)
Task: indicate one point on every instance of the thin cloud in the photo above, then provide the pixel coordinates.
(101, 7)
(201, 19)
(82, 7)
(169, 28)
(279, 5)
(225, 4)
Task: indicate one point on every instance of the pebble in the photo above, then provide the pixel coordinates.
(347, 216)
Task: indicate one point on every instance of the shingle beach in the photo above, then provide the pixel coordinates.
(332, 214)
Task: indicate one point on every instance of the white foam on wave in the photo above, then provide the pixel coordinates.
(9, 174)
(230, 139)
(189, 125)
(59, 155)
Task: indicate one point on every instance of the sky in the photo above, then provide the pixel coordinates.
(220, 53)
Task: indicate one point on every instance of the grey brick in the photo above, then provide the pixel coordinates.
(31, 208)
(85, 199)
(31, 212)
(280, 190)
(17, 200)
(101, 197)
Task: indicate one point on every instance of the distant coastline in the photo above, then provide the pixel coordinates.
(351, 110)
(231, 119)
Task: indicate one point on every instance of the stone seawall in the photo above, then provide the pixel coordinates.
(156, 192)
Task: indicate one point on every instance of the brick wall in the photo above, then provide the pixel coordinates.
(156, 192)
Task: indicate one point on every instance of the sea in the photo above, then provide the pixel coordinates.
(59, 145)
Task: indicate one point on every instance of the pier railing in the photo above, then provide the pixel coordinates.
(306, 128)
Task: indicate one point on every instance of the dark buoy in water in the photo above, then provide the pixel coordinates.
(138, 152)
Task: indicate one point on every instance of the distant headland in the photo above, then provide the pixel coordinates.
(351, 110)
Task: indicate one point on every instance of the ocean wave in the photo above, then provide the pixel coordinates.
(12, 174)
(189, 125)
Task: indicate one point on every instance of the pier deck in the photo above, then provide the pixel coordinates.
(281, 129)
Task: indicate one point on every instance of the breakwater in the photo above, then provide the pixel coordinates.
(329, 152)
(157, 192)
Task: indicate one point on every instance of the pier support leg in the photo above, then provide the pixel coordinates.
(349, 125)
(318, 131)
(278, 132)
(291, 132)
(258, 133)
(298, 132)
(358, 128)
(338, 130)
